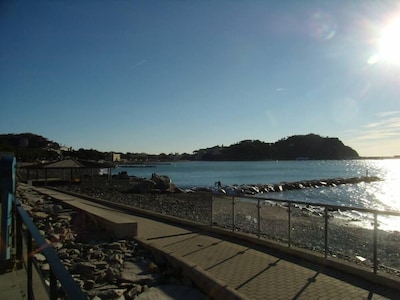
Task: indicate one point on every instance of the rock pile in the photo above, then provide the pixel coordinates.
(157, 184)
(104, 268)
(237, 190)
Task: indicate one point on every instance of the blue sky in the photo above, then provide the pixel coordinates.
(177, 76)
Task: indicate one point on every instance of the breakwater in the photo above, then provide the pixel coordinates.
(285, 186)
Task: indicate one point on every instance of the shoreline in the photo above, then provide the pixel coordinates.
(346, 241)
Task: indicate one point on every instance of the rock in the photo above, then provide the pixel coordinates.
(89, 284)
(45, 267)
(54, 237)
(169, 292)
(115, 294)
(98, 254)
(162, 182)
(141, 185)
(85, 267)
(28, 208)
(100, 275)
(39, 215)
(134, 291)
(57, 245)
(64, 218)
(115, 245)
(57, 208)
(116, 258)
(39, 257)
(63, 253)
(79, 282)
(136, 273)
(74, 251)
(153, 268)
(113, 274)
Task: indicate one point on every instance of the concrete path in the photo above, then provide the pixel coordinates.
(252, 272)
(257, 274)
(11, 286)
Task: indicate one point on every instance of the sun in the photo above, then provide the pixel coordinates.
(389, 42)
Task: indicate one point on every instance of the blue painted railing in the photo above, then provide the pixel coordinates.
(14, 219)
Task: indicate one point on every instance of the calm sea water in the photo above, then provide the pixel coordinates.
(384, 195)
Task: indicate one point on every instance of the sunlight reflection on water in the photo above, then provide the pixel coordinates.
(382, 195)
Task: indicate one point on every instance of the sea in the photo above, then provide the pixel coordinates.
(381, 195)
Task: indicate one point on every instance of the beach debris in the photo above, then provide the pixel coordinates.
(360, 258)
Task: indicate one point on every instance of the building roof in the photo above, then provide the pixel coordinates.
(71, 164)
(66, 163)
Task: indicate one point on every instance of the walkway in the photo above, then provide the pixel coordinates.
(11, 285)
(253, 273)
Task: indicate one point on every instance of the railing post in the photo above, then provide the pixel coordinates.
(53, 286)
(289, 225)
(326, 231)
(212, 210)
(29, 256)
(233, 213)
(259, 218)
(7, 194)
(375, 242)
(18, 236)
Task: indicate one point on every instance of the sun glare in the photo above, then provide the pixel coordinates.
(389, 43)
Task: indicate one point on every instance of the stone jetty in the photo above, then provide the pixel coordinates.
(161, 184)
(286, 186)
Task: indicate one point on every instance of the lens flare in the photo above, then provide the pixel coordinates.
(322, 25)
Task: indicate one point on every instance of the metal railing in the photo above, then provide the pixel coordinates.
(58, 271)
(313, 226)
(317, 227)
(15, 220)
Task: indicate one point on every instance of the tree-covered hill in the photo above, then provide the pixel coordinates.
(313, 146)
(309, 146)
(31, 147)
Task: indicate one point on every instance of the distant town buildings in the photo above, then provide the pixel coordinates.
(115, 156)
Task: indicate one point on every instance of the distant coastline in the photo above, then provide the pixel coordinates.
(29, 147)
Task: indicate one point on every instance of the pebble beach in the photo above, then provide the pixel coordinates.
(347, 240)
(105, 267)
